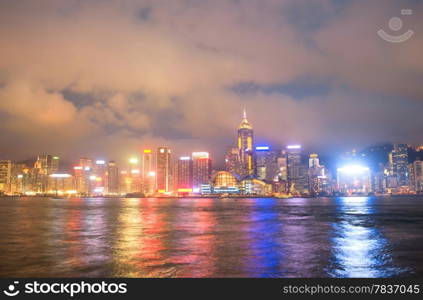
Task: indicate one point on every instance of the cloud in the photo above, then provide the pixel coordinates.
(110, 77)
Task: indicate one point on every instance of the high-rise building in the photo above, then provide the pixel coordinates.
(47, 164)
(148, 172)
(297, 172)
(99, 177)
(417, 176)
(163, 170)
(5, 175)
(201, 169)
(184, 174)
(313, 161)
(266, 163)
(245, 147)
(399, 164)
(112, 178)
(319, 179)
(44, 166)
(232, 162)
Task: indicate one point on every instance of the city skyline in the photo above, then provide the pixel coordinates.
(250, 169)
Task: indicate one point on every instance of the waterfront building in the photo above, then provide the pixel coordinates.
(251, 186)
(232, 163)
(112, 178)
(201, 169)
(245, 147)
(163, 170)
(5, 175)
(417, 176)
(354, 180)
(60, 184)
(266, 163)
(399, 164)
(297, 172)
(148, 172)
(184, 174)
(225, 183)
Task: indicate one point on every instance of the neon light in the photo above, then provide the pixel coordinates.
(185, 190)
(60, 175)
(100, 162)
(147, 151)
(262, 148)
(200, 155)
(133, 160)
(135, 171)
(293, 147)
(151, 173)
(77, 168)
(353, 169)
(184, 158)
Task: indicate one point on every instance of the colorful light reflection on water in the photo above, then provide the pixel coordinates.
(263, 237)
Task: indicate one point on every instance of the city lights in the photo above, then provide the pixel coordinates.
(353, 169)
(133, 160)
(60, 175)
(293, 147)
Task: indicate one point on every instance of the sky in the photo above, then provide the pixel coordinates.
(105, 79)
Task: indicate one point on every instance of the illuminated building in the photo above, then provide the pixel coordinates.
(98, 177)
(147, 171)
(245, 147)
(224, 179)
(60, 183)
(47, 164)
(163, 170)
(43, 167)
(201, 169)
(266, 163)
(399, 164)
(297, 172)
(5, 175)
(112, 178)
(135, 175)
(313, 161)
(354, 180)
(417, 176)
(255, 187)
(319, 177)
(232, 163)
(282, 163)
(184, 174)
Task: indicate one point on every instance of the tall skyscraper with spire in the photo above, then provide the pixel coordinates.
(245, 147)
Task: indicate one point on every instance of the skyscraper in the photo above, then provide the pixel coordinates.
(163, 170)
(201, 169)
(44, 166)
(5, 175)
(112, 178)
(184, 174)
(245, 147)
(297, 172)
(232, 164)
(400, 164)
(266, 163)
(148, 172)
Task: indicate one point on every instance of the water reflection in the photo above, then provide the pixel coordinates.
(359, 248)
(343, 237)
(265, 244)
